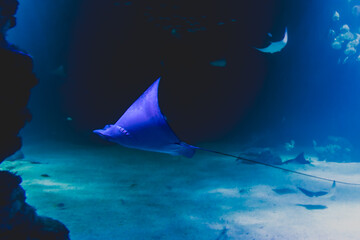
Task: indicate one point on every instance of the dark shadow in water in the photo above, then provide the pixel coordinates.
(312, 207)
(223, 235)
(282, 191)
(312, 194)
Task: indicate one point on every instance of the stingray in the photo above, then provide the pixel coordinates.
(300, 159)
(143, 126)
(275, 46)
(318, 193)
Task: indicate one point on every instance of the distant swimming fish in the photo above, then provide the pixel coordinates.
(275, 46)
(60, 71)
(144, 127)
(319, 193)
(218, 63)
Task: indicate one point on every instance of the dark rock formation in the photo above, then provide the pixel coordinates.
(18, 220)
(16, 81)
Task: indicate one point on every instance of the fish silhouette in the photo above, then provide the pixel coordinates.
(275, 46)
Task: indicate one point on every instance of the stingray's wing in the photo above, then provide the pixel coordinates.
(276, 46)
(148, 127)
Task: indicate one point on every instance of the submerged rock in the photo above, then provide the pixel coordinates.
(336, 16)
(350, 51)
(356, 10)
(19, 220)
(336, 45)
(345, 28)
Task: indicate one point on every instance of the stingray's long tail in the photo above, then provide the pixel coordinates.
(277, 167)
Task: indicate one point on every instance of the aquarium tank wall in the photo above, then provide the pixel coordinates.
(128, 119)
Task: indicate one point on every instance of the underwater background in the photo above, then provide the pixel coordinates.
(94, 58)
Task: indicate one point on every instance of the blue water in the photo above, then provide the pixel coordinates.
(93, 60)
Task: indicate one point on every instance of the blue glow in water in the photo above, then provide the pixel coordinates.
(294, 109)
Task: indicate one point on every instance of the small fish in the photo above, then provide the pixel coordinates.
(219, 63)
(175, 33)
(60, 205)
(60, 71)
(35, 162)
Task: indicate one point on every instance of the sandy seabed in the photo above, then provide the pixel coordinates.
(110, 192)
